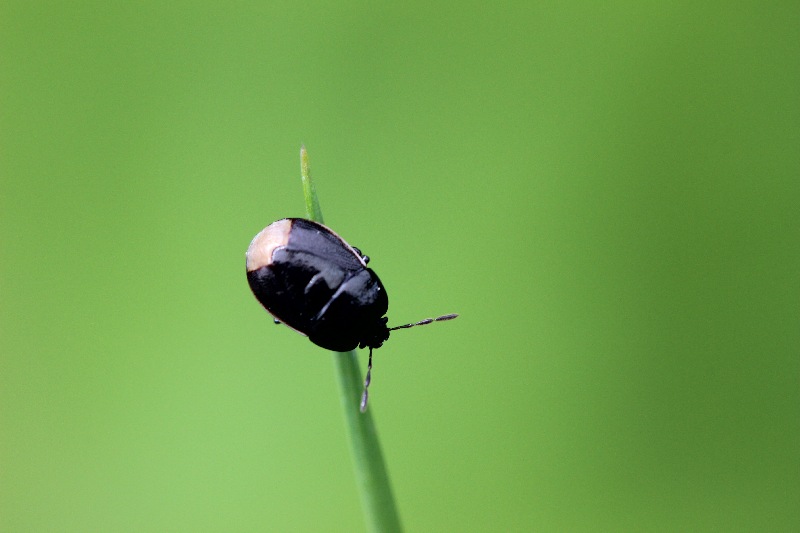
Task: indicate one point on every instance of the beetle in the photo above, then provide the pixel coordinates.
(309, 278)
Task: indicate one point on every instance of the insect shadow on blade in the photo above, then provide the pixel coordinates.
(312, 280)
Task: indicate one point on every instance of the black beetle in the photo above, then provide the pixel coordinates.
(310, 279)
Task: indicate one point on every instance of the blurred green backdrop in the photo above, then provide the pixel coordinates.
(608, 194)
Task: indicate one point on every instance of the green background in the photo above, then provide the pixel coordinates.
(609, 195)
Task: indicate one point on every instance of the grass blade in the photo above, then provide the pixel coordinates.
(370, 469)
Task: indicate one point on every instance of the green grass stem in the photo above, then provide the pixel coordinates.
(370, 469)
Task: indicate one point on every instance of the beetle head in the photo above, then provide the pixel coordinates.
(377, 335)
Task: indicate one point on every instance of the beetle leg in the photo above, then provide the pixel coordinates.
(363, 257)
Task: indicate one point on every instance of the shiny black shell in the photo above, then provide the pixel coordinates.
(310, 279)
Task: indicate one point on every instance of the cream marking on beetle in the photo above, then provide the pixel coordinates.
(259, 253)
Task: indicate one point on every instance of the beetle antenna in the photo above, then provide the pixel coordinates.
(368, 378)
(426, 321)
(365, 395)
